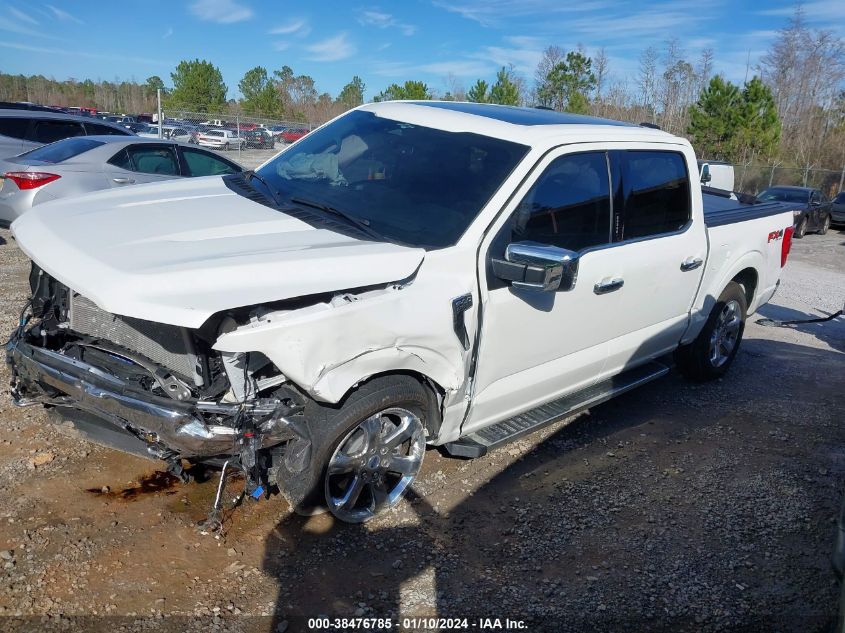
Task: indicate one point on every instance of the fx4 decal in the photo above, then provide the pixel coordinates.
(776, 235)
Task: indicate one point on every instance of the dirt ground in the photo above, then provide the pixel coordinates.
(674, 508)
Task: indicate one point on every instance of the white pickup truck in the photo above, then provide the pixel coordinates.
(409, 274)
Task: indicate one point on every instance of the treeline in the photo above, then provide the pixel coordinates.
(790, 111)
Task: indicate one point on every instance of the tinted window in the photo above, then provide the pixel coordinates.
(153, 160)
(204, 164)
(569, 205)
(658, 194)
(13, 127)
(52, 131)
(411, 183)
(96, 128)
(785, 195)
(62, 150)
(840, 199)
(815, 196)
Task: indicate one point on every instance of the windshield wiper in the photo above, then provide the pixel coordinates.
(361, 223)
(275, 194)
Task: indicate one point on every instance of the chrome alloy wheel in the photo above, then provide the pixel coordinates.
(374, 464)
(724, 338)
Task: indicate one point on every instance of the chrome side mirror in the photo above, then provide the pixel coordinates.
(539, 267)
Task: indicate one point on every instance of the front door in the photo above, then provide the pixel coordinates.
(534, 345)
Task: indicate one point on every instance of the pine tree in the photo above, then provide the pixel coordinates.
(478, 93)
(504, 91)
(714, 120)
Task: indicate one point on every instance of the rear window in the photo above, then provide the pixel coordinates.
(62, 150)
(13, 127)
(785, 195)
(658, 194)
(840, 199)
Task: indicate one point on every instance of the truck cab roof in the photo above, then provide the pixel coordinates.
(537, 127)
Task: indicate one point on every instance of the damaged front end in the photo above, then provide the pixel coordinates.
(162, 385)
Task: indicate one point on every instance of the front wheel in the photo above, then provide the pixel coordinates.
(225, 147)
(710, 355)
(366, 453)
(801, 229)
(825, 225)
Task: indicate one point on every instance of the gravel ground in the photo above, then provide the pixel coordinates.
(672, 508)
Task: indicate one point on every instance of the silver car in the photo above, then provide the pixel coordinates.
(80, 165)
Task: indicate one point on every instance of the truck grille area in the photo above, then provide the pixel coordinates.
(166, 345)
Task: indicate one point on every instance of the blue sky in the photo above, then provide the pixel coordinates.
(382, 42)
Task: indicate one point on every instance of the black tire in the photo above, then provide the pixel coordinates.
(329, 424)
(801, 229)
(695, 360)
(825, 225)
(225, 147)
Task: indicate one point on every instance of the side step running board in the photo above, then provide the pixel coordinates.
(478, 443)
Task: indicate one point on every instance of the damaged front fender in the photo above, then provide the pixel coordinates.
(329, 347)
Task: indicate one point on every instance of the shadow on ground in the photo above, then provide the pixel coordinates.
(671, 508)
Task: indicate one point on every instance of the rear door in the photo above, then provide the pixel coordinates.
(658, 251)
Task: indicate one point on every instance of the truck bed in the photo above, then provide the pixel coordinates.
(721, 209)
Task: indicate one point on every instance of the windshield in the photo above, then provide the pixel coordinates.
(409, 183)
(62, 150)
(785, 195)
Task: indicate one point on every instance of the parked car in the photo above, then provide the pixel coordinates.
(837, 209)
(259, 138)
(22, 130)
(136, 127)
(220, 139)
(276, 131)
(82, 164)
(171, 133)
(432, 273)
(292, 134)
(813, 212)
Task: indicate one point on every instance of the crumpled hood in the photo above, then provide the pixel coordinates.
(177, 252)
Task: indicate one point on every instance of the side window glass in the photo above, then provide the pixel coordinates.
(14, 127)
(154, 160)
(658, 198)
(204, 164)
(51, 131)
(122, 160)
(95, 129)
(569, 205)
(815, 197)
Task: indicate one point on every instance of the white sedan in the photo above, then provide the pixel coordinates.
(220, 139)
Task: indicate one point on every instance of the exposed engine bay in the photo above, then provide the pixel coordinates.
(163, 385)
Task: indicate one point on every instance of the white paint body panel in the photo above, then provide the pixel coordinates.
(179, 252)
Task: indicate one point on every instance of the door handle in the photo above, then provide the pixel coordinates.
(603, 287)
(691, 263)
(123, 181)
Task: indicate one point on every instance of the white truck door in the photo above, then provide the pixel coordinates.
(535, 346)
(659, 250)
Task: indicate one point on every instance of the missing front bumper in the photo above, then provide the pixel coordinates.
(47, 377)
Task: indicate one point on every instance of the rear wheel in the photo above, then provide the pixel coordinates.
(825, 225)
(801, 229)
(710, 355)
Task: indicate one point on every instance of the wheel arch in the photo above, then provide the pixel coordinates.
(748, 278)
